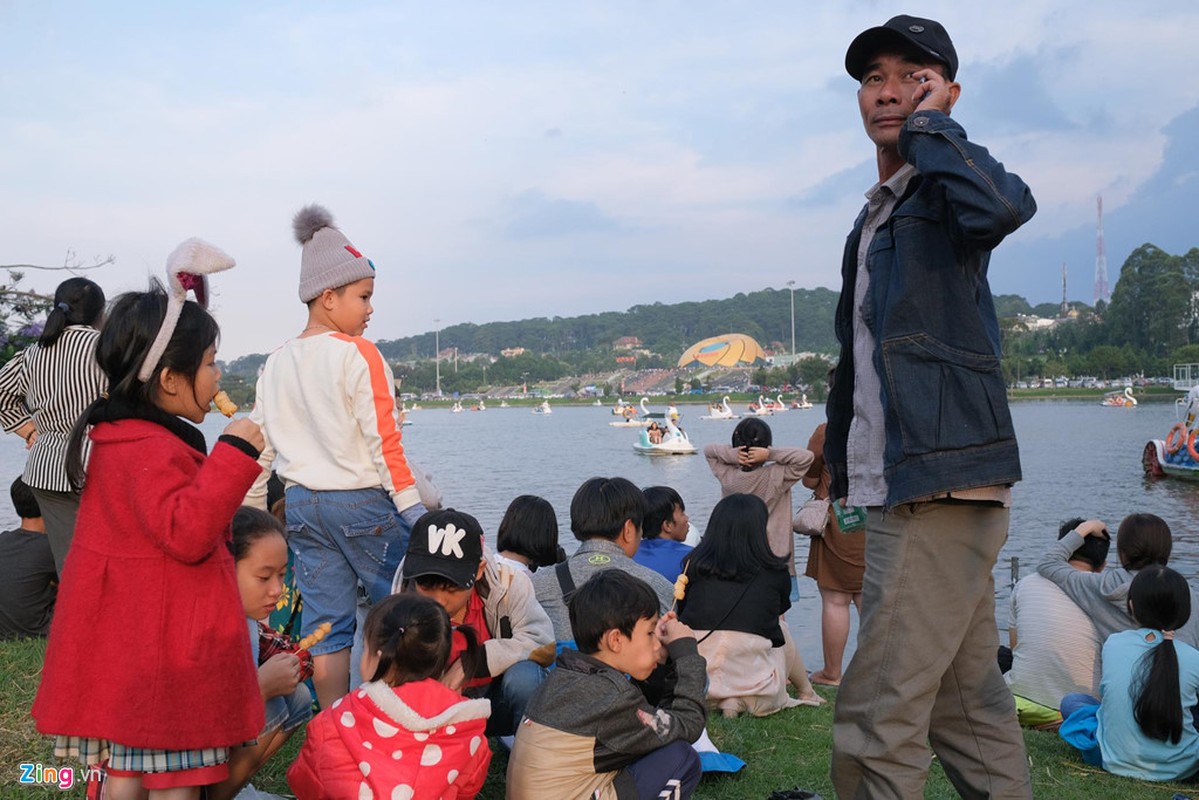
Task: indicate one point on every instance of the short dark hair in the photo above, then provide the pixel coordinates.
(660, 502)
(752, 432)
(23, 501)
(1143, 539)
(735, 546)
(611, 599)
(1094, 548)
(602, 506)
(249, 525)
(530, 528)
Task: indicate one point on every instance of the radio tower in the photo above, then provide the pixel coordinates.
(1065, 305)
(1101, 290)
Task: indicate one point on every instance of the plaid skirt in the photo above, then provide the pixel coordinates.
(136, 759)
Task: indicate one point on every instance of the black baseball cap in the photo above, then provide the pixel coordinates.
(447, 543)
(925, 35)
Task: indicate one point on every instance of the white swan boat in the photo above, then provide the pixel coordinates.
(674, 442)
(544, 408)
(504, 404)
(801, 403)
(721, 410)
(628, 415)
(762, 408)
(1120, 399)
(456, 408)
(479, 406)
(631, 420)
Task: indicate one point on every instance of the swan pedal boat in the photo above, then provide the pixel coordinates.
(762, 408)
(674, 443)
(647, 416)
(721, 411)
(1122, 399)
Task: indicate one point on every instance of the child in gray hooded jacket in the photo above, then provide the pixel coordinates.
(1141, 540)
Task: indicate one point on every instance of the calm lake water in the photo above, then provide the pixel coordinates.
(1079, 459)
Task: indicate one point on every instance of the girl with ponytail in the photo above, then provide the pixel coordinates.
(43, 390)
(402, 733)
(1145, 725)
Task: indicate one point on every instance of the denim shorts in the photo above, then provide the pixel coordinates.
(288, 711)
(341, 539)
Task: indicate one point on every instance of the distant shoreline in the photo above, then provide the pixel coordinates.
(738, 402)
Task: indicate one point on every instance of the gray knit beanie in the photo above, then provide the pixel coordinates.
(329, 261)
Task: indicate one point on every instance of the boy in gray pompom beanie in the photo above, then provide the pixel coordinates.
(326, 403)
(329, 261)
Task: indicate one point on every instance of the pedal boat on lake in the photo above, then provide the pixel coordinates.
(721, 410)
(674, 442)
(1122, 399)
(629, 418)
(1177, 455)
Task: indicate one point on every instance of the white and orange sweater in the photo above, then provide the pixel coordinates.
(326, 405)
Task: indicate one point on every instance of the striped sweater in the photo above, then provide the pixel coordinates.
(52, 386)
(326, 405)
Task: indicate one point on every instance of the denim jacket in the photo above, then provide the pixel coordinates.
(929, 306)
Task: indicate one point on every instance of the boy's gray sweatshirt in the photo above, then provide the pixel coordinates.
(1103, 596)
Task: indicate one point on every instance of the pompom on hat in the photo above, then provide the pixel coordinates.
(329, 261)
(188, 268)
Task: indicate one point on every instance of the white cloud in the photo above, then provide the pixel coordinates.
(668, 144)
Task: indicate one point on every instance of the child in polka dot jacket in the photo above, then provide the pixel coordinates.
(402, 734)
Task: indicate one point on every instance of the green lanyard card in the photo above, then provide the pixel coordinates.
(849, 519)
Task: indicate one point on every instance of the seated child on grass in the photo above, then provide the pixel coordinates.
(736, 595)
(403, 734)
(28, 577)
(1144, 726)
(446, 561)
(606, 516)
(589, 732)
(528, 535)
(260, 553)
(663, 532)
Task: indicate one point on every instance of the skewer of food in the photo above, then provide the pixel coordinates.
(224, 404)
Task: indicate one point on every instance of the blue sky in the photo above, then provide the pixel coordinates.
(520, 159)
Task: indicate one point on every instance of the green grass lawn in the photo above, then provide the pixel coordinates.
(786, 750)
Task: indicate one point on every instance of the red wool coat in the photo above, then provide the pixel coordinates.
(417, 741)
(148, 645)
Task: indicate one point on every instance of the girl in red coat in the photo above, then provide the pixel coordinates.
(402, 734)
(147, 664)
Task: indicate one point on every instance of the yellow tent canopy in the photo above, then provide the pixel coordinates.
(729, 350)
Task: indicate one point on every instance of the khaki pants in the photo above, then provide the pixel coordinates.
(925, 670)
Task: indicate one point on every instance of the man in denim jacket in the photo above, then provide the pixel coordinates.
(919, 433)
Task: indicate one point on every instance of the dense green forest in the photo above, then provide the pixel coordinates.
(1151, 323)
(664, 329)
